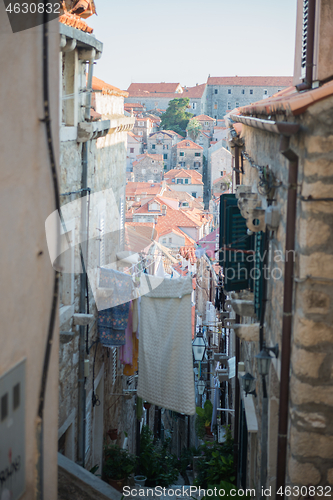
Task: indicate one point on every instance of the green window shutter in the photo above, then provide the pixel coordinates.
(258, 282)
(235, 256)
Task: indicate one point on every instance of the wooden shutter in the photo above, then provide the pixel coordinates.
(304, 36)
(258, 282)
(235, 246)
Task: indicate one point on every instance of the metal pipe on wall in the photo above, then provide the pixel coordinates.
(83, 284)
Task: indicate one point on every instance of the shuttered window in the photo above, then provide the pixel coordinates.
(259, 273)
(304, 35)
(236, 246)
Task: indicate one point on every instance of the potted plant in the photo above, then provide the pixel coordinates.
(203, 420)
(118, 465)
(113, 434)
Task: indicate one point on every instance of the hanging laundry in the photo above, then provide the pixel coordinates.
(126, 350)
(112, 324)
(165, 348)
(118, 288)
(215, 403)
(130, 369)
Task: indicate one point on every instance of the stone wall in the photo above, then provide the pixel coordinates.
(148, 170)
(189, 160)
(310, 438)
(106, 203)
(219, 104)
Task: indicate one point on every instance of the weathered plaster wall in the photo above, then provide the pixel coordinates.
(27, 199)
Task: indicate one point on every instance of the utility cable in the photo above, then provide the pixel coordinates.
(53, 313)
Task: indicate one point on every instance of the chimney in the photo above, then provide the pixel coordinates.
(164, 209)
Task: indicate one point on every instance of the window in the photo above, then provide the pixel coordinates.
(143, 171)
(194, 105)
(197, 154)
(216, 91)
(170, 240)
(229, 105)
(164, 240)
(229, 91)
(243, 91)
(153, 146)
(215, 105)
(140, 132)
(215, 117)
(194, 194)
(179, 181)
(165, 156)
(279, 90)
(237, 104)
(185, 181)
(196, 164)
(251, 91)
(265, 92)
(131, 150)
(172, 180)
(181, 153)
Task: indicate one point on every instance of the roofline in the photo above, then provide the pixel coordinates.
(282, 128)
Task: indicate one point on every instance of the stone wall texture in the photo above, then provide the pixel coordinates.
(310, 437)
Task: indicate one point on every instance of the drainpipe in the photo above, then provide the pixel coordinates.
(83, 280)
(287, 314)
(237, 171)
(237, 404)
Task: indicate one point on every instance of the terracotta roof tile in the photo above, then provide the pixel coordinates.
(289, 101)
(204, 118)
(152, 88)
(254, 81)
(187, 144)
(75, 22)
(194, 92)
(106, 88)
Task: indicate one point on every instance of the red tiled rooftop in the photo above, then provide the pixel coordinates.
(204, 118)
(288, 101)
(194, 92)
(75, 22)
(152, 88)
(106, 88)
(187, 144)
(254, 81)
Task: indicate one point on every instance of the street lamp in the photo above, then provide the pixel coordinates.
(248, 382)
(264, 358)
(201, 386)
(199, 347)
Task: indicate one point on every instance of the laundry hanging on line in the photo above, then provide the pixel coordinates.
(165, 347)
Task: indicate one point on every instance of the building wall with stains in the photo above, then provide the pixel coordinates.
(310, 436)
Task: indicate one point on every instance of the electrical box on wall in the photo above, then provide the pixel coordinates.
(12, 433)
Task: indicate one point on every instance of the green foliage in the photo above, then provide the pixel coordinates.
(194, 128)
(118, 463)
(155, 460)
(176, 117)
(226, 487)
(204, 418)
(216, 463)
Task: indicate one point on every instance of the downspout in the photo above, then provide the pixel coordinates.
(236, 169)
(83, 280)
(287, 315)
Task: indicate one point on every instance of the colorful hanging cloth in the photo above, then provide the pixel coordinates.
(112, 324)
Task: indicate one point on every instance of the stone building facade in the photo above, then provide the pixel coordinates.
(161, 143)
(286, 188)
(187, 154)
(158, 95)
(148, 168)
(93, 152)
(143, 127)
(227, 93)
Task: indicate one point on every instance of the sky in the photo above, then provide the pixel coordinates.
(185, 41)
